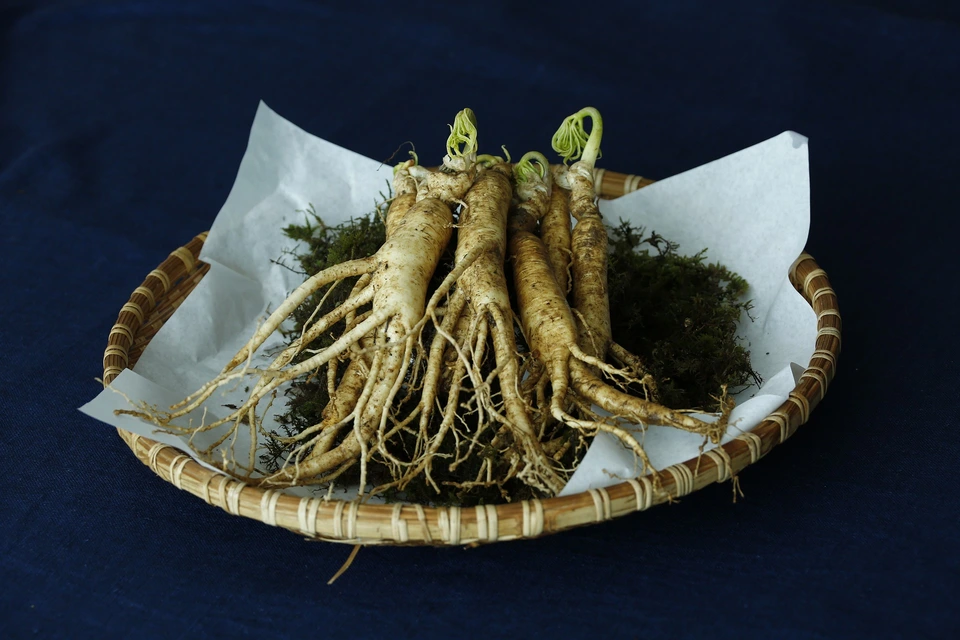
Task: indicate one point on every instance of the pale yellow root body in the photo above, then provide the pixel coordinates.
(418, 230)
(588, 246)
(555, 233)
(428, 225)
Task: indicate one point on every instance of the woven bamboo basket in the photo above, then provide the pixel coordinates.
(166, 287)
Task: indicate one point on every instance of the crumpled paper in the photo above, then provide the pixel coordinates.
(750, 210)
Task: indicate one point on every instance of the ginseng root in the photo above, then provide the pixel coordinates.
(590, 302)
(399, 275)
(546, 318)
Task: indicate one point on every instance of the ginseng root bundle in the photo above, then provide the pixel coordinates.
(459, 345)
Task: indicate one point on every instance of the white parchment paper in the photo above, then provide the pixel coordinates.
(750, 210)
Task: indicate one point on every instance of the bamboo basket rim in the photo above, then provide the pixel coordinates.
(165, 288)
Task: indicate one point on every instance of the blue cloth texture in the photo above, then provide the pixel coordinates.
(122, 125)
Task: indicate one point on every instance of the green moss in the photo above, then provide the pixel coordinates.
(328, 246)
(680, 315)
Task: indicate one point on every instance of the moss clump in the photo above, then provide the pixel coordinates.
(328, 246)
(679, 314)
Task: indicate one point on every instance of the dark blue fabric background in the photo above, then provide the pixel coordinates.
(122, 125)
